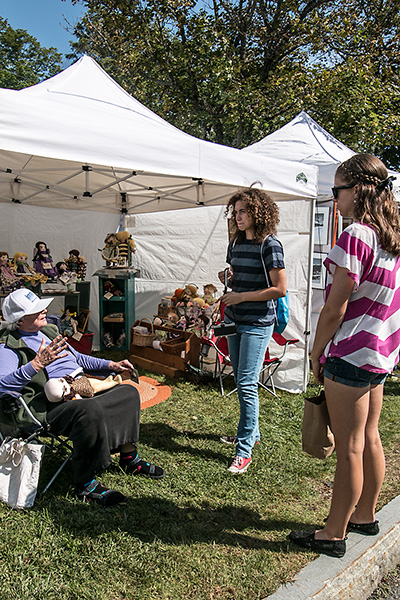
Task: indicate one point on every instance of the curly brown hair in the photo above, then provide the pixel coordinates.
(375, 204)
(260, 207)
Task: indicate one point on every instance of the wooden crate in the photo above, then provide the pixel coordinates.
(162, 362)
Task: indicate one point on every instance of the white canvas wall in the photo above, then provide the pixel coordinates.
(22, 226)
(175, 248)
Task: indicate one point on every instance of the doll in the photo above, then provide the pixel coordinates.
(209, 291)
(110, 251)
(20, 267)
(9, 281)
(67, 388)
(43, 262)
(65, 276)
(68, 322)
(76, 264)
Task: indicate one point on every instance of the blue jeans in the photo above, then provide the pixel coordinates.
(247, 349)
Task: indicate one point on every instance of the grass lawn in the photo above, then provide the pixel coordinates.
(201, 533)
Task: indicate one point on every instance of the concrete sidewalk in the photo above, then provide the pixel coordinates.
(357, 574)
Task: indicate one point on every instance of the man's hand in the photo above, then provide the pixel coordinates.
(48, 354)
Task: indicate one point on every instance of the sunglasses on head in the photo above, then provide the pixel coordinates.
(336, 188)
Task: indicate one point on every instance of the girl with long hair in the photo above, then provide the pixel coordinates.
(356, 345)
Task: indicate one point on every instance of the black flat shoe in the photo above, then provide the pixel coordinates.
(364, 528)
(306, 539)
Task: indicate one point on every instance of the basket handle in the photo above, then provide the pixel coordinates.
(150, 321)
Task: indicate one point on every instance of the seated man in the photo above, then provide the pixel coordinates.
(31, 352)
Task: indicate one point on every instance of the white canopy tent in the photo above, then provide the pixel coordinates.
(304, 141)
(78, 141)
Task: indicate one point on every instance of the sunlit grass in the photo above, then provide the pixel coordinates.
(200, 533)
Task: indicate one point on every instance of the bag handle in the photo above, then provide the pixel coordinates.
(13, 449)
(150, 321)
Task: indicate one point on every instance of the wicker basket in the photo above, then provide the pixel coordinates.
(142, 339)
(175, 346)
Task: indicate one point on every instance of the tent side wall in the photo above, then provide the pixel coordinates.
(22, 226)
(175, 248)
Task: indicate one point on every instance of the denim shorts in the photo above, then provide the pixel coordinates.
(343, 372)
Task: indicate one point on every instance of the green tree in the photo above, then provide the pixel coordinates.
(23, 61)
(235, 70)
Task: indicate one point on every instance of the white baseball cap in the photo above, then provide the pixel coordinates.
(22, 302)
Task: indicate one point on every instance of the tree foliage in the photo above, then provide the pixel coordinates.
(234, 70)
(23, 61)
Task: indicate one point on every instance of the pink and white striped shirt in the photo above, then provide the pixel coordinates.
(369, 336)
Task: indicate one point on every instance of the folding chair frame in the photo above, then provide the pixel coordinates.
(269, 368)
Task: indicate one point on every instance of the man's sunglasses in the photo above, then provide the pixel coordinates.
(336, 188)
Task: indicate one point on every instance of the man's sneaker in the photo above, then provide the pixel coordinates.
(95, 493)
(137, 466)
(230, 440)
(239, 464)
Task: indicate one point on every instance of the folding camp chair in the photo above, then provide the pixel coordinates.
(31, 429)
(272, 363)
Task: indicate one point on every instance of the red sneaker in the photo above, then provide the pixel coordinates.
(239, 464)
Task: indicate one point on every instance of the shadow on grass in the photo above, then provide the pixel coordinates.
(165, 437)
(150, 519)
(392, 386)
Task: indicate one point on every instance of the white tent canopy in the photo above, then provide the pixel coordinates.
(303, 140)
(78, 141)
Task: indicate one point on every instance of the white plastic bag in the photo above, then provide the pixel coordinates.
(19, 472)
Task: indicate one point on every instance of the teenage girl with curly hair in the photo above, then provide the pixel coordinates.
(356, 345)
(256, 277)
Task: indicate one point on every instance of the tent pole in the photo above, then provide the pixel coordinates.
(307, 329)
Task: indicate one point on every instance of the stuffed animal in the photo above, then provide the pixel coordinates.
(67, 388)
(43, 262)
(189, 293)
(126, 247)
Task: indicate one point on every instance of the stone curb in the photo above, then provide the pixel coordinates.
(358, 573)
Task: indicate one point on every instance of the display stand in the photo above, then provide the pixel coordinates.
(116, 306)
(165, 362)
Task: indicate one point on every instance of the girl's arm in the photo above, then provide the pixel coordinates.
(331, 317)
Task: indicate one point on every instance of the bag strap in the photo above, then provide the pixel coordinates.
(266, 275)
